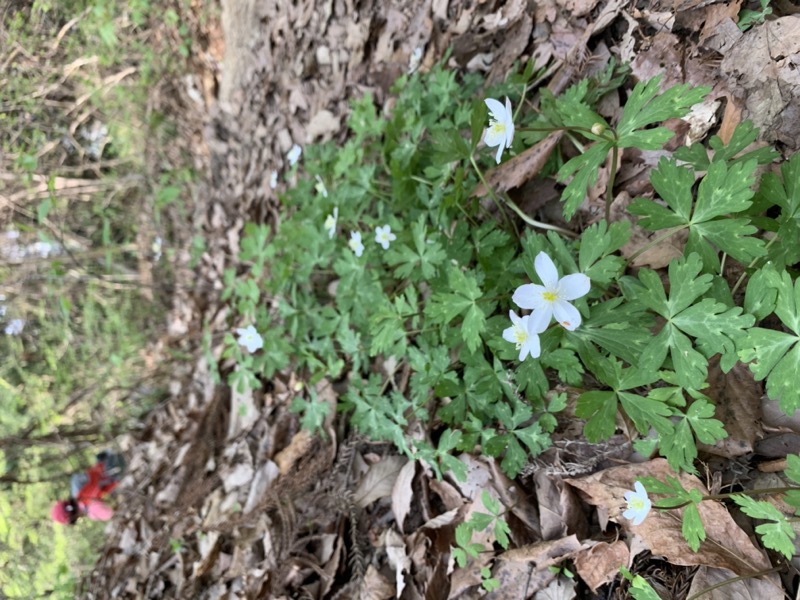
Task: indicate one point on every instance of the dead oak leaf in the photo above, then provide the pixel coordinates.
(726, 545)
(521, 168)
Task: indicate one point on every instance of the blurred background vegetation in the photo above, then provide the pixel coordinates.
(93, 172)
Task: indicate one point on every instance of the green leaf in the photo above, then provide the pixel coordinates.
(472, 327)
(786, 193)
(645, 107)
(793, 468)
(714, 325)
(706, 428)
(622, 328)
(646, 413)
(597, 242)
(640, 589)
(761, 297)
(599, 408)
(777, 535)
(584, 167)
(679, 448)
(448, 147)
(724, 190)
(775, 355)
(421, 261)
(478, 121)
(693, 531)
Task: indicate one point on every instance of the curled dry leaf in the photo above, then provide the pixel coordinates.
(379, 480)
(402, 493)
(726, 546)
(600, 564)
(521, 168)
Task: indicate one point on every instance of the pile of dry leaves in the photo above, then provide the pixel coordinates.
(223, 503)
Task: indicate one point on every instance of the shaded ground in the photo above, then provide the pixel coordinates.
(223, 503)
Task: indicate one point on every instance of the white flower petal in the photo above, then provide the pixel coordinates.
(572, 287)
(566, 315)
(529, 296)
(546, 270)
(540, 319)
(509, 124)
(537, 325)
(533, 347)
(508, 335)
(496, 108)
(495, 138)
(499, 153)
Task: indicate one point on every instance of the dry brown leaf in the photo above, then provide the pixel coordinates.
(521, 168)
(478, 478)
(736, 396)
(209, 547)
(745, 589)
(441, 520)
(301, 443)
(376, 586)
(726, 546)
(600, 564)
(730, 119)
(398, 558)
(402, 493)
(544, 554)
(577, 8)
(717, 17)
(379, 480)
(448, 494)
(331, 559)
(559, 589)
(243, 412)
(322, 124)
(265, 475)
(762, 68)
(549, 495)
(517, 502)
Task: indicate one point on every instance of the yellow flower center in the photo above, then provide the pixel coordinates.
(636, 504)
(550, 296)
(498, 127)
(521, 336)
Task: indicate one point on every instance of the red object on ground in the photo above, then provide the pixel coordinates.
(89, 489)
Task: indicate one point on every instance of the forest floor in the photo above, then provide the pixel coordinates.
(230, 503)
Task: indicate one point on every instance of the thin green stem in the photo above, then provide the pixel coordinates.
(492, 194)
(611, 177)
(538, 224)
(753, 262)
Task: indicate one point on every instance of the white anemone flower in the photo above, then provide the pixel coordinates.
(330, 222)
(250, 338)
(384, 236)
(273, 180)
(320, 187)
(552, 298)
(524, 335)
(639, 504)
(294, 154)
(355, 243)
(500, 132)
(15, 327)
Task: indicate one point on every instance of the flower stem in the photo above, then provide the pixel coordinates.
(750, 266)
